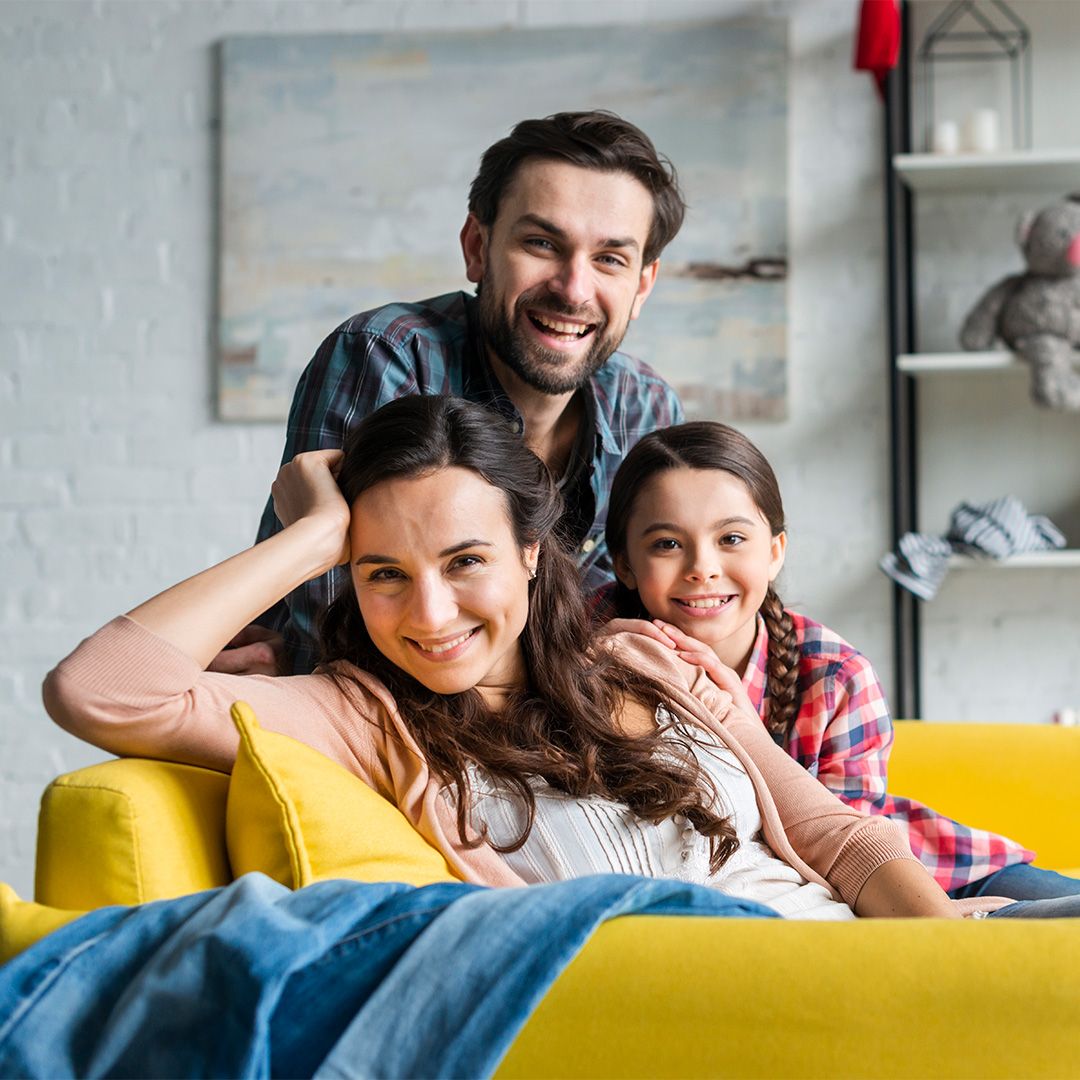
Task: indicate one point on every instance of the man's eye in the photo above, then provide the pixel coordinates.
(541, 243)
(612, 260)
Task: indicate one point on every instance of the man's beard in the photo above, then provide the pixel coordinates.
(547, 370)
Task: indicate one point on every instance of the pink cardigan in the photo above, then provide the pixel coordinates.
(129, 692)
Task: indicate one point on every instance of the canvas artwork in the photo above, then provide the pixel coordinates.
(347, 160)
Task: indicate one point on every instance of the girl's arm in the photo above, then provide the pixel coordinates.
(202, 614)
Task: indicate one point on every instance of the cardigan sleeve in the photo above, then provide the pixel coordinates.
(128, 691)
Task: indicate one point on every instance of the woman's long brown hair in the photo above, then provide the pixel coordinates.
(708, 445)
(559, 725)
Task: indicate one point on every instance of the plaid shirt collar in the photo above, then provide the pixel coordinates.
(756, 673)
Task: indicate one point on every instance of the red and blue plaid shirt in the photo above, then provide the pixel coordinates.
(843, 735)
(433, 347)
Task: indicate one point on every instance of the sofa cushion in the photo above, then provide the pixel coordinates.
(299, 817)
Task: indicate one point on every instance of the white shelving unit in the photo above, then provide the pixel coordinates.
(1016, 170)
(1047, 171)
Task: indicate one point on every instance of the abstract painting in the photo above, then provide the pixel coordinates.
(346, 162)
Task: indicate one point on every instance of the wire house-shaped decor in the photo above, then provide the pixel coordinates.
(970, 31)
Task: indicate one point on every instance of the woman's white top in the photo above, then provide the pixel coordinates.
(572, 837)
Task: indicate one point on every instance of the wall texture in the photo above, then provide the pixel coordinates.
(115, 480)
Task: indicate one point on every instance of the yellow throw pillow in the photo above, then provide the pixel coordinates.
(23, 923)
(299, 817)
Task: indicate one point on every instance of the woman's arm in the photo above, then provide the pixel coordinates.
(903, 889)
(202, 614)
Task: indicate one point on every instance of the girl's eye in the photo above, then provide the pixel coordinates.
(731, 540)
(665, 544)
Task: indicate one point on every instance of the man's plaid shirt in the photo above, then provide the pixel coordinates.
(843, 735)
(433, 347)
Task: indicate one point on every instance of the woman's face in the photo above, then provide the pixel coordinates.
(442, 585)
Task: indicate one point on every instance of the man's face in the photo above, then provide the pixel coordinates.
(561, 271)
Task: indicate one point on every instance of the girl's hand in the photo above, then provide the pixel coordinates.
(306, 491)
(636, 626)
(696, 652)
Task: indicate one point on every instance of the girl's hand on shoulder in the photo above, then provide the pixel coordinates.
(636, 626)
(698, 653)
(306, 490)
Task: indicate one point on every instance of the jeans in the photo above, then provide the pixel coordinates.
(1021, 882)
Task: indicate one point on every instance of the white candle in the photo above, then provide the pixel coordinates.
(946, 137)
(983, 131)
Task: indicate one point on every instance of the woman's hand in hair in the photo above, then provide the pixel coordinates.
(698, 653)
(306, 491)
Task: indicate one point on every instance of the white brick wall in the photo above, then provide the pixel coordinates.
(115, 480)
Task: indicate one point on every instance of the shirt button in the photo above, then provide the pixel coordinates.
(588, 546)
(515, 427)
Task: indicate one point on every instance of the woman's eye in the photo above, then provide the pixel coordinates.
(385, 574)
(463, 562)
(731, 540)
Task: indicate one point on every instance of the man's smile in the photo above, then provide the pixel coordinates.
(560, 329)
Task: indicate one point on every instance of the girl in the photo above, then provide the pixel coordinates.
(696, 532)
(460, 680)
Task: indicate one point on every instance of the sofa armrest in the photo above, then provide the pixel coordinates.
(128, 831)
(1019, 780)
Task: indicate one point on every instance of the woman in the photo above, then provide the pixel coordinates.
(461, 682)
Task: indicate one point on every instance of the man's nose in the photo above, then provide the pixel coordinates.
(573, 280)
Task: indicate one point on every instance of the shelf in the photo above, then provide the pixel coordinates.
(1014, 170)
(948, 363)
(1066, 559)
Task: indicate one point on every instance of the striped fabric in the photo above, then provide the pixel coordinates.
(999, 529)
(843, 735)
(576, 836)
(432, 347)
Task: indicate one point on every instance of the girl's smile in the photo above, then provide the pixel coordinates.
(701, 555)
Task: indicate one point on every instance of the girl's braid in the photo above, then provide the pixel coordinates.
(782, 669)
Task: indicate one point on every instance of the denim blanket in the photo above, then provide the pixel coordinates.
(339, 979)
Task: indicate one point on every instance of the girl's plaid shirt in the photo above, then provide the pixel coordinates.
(843, 735)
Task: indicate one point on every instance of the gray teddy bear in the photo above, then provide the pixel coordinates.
(1037, 313)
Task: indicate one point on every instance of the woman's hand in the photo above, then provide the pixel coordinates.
(306, 493)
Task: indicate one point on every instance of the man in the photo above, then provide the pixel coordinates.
(567, 218)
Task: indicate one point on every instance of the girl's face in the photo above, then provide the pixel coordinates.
(442, 585)
(701, 556)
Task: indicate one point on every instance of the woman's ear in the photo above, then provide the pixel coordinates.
(776, 555)
(531, 558)
(623, 571)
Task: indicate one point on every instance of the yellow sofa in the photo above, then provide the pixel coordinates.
(652, 996)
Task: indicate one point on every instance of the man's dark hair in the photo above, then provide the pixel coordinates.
(592, 140)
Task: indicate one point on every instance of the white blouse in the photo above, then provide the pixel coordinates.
(573, 837)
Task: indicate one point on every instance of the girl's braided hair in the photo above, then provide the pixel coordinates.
(709, 445)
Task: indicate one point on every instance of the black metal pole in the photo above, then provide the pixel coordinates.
(902, 389)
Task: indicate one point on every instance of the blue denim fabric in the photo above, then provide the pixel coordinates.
(1057, 907)
(1021, 882)
(338, 979)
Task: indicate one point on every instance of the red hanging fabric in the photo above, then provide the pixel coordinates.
(877, 46)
